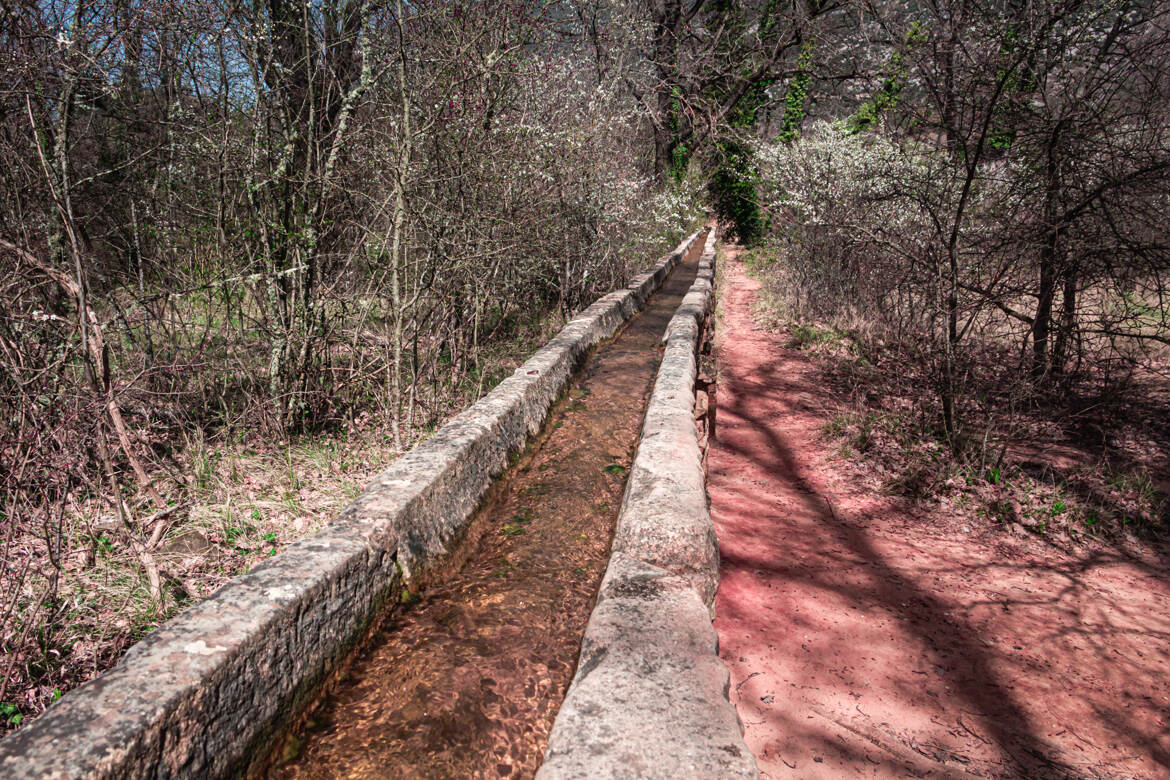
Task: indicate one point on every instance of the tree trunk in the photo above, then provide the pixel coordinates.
(1042, 326)
(1049, 263)
(667, 29)
(1066, 333)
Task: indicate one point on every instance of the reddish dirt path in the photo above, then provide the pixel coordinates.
(865, 641)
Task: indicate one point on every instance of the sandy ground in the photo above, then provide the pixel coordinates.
(864, 640)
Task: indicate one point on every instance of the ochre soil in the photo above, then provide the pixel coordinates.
(468, 682)
(865, 639)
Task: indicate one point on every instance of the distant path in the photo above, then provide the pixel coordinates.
(863, 641)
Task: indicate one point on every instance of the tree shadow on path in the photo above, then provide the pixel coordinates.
(955, 646)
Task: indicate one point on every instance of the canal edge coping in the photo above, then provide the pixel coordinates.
(650, 695)
(205, 694)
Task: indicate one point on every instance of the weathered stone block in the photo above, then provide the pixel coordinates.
(649, 699)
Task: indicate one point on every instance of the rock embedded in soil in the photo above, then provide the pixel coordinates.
(188, 543)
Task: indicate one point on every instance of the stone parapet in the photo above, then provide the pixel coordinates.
(650, 696)
(206, 693)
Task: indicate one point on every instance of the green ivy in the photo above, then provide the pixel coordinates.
(680, 157)
(796, 96)
(679, 153)
(733, 192)
(735, 181)
(887, 95)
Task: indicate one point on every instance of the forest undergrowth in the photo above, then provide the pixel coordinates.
(251, 253)
(1076, 470)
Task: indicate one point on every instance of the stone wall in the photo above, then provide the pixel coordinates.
(650, 696)
(206, 693)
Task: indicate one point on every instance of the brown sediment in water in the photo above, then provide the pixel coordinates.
(467, 682)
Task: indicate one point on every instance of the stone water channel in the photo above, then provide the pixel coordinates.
(467, 682)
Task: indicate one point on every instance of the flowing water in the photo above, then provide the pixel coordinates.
(467, 682)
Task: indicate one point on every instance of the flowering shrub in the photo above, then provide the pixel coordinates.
(864, 221)
(844, 215)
